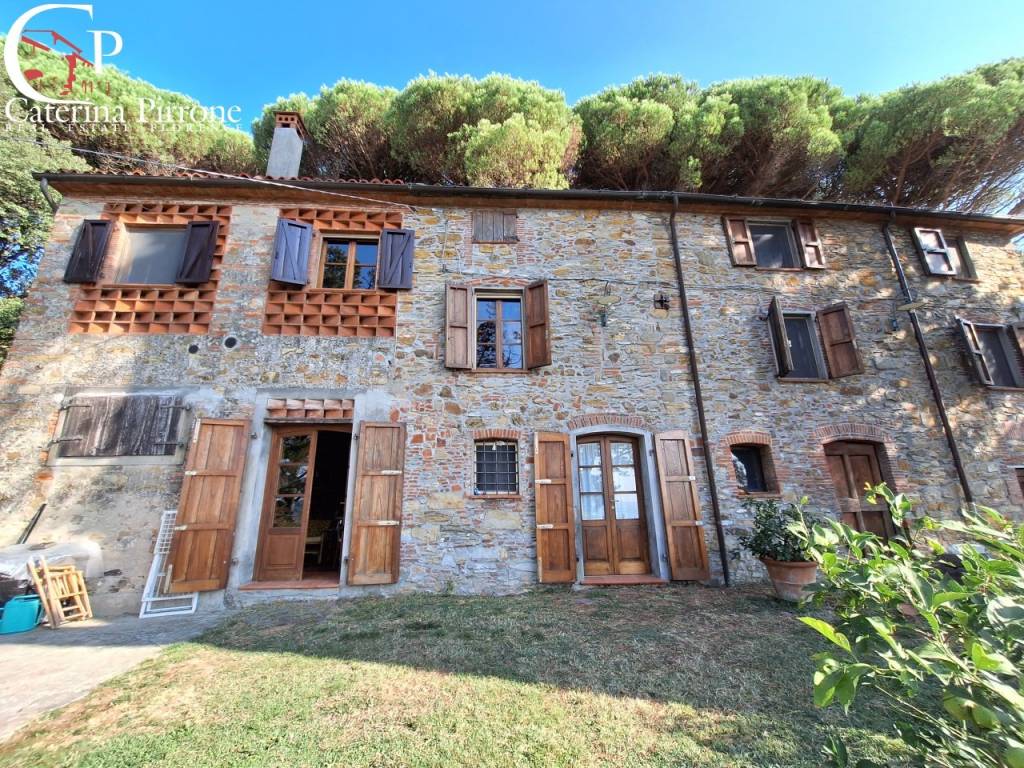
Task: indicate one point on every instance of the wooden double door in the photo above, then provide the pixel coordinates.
(854, 465)
(612, 507)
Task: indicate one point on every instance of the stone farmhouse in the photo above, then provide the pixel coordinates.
(346, 387)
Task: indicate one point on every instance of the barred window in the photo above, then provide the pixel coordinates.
(497, 468)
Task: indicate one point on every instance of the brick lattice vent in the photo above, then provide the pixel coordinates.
(309, 409)
(158, 309)
(326, 312)
(345, 220)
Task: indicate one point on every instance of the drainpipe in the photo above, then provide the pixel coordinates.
(908, 296)
(695, 375)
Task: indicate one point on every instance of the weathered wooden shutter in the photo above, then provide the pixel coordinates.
(933, 251)
(839, 341)
(974, 352)
(811, 252)
(780, 339)
(494, 226)
(1016, 332)
(535, 312)
(556, 523)
(200, 243)
(397, 248)
(741, 242)
(291, 252)
(687, 550)
(80, 425)
(966, 269)
(204, 530)
(120, 425)
(457, 350)
(377, 513)
(87, 256)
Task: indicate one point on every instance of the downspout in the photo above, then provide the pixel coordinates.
(695, 375)
(922, 347)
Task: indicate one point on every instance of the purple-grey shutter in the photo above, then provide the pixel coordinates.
(780, 338)
(291, 252)
(200, 243)
(87, 255)
(397, 247)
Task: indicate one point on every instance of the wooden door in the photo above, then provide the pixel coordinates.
(200, 553)
(853, 466)
(374, 546)
(613, 515)
(556, 530)
(684, 528)
(286, 504)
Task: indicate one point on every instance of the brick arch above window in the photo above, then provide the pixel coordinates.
(605, 420)
(749, 437)
(496, 434)
(867, 433)
(496, 282)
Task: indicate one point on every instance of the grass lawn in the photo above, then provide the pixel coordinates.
(645, 676)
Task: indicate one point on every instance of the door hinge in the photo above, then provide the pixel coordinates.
(191, 473)
(180, 528)
(545, 526)
(544, 482)
(391, 471)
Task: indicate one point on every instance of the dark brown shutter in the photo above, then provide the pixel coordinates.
(556, 523)
(966, 269)
(457, 351)
(87, 256)
(200, 243)
(687, 549)
(840, 344)
(935, 256)
(1016, 331)
(811, 252)
(200, 555)
(377, 510)
(741, 243)
(494, 226)
(535, 312)
(780, 339)
(974, 352)
(291, 252)
(397, 248)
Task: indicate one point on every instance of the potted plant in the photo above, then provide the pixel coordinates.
(783, 551)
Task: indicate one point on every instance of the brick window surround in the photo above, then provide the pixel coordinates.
(484, 435)
(310, 311)
(309, 409)
(110, 308)
(866, 433)
(762, 440)
(605, 420)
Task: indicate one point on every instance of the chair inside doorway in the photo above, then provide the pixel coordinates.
(304, 505)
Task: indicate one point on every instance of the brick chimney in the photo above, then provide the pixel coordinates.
(286, 148)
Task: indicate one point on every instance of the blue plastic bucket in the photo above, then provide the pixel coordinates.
(20, 614)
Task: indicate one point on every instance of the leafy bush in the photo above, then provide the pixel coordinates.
(773, 535)
(939, 635)
(10, 312)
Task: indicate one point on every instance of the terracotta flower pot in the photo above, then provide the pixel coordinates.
(789, 579)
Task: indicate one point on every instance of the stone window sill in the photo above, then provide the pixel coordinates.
(758, 494)
(493, 496)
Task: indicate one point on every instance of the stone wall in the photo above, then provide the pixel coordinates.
(614, 353)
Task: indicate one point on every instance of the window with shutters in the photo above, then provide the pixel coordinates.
(123, 427)
(497, 468)
(800, 355)
(151, 255)
(348, 262)
(753, 469)
(494, 226)
(773, 243)
(499, 331)
(774, 247)
(496, 330)
(996, 352)
(944, 254)
(802, 338)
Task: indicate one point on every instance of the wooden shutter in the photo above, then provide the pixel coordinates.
(120, 425)
(377, 512)
(840, 345)
(535, 312)
(687, 550)
(741, 243)
(397, 247)
(291, 252)
(933, 251)
(200, 243)
(457, 350)
(79, 429)
(204, 531)
(780, 339)
(87, 256)
(811, 252)
(974, 352)
(556, 524)
(494, 226)
(966, 269)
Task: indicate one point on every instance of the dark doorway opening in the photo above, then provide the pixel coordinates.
(322, 556)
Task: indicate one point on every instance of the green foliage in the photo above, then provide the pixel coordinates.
(10, 312)
(347, 123)
(773, 535)
(940, 638)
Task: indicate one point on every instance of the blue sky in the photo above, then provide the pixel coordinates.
(248, 53)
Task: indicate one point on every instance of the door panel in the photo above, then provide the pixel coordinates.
(285, 505)
(853, 466)
(687, 550)
(556, 534)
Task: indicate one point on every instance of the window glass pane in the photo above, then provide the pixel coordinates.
(364, 277)
(486, 334)
(623, 479)
(295, 449)
(593, 506)
(747, 462)
(334, 276)
(366, 254)
(512, 356)
(938, 261)
(590, 454)
(292, 478)
(153, 256)
(622, 454)
(497, 468)
(773, 246)
(626, 506)
(511, 332)
(992, 349)
(287, 511)
(930, 239)
(510, 309)
(801, 347)
(590, 478)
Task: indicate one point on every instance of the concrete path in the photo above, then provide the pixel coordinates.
(45, 669)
